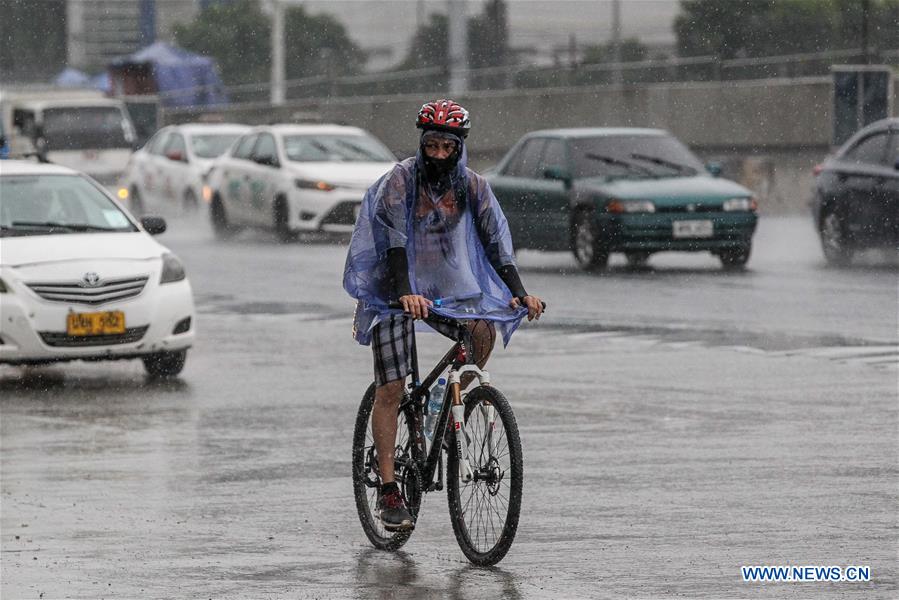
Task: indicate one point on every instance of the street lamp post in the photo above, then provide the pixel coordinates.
(458, 47)
(277, 78)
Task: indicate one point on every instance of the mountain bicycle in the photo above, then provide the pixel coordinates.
(479, 436)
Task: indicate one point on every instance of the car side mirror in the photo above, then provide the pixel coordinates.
(557, 173)
(267, 160)
(176, 155)
(714, 168)
(153, 225)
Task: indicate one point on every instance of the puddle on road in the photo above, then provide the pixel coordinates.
(217, 304)
(878, 353)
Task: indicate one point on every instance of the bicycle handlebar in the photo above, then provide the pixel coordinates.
(396, 304)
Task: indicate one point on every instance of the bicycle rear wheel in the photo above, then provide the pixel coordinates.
(485, 511)
(367, 479)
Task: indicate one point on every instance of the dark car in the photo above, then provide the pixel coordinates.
(637, 191)
(856, 201)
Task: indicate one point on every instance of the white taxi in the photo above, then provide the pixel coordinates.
(81, 279)
(166, 175)
(294, 178)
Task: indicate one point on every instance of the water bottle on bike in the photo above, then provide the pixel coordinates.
(435, 403)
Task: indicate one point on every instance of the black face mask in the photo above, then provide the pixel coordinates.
(438, 168)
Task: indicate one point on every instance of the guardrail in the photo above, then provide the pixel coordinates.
(435, 80)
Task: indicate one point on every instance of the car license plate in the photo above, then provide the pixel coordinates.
(99, 323)
(693, 229)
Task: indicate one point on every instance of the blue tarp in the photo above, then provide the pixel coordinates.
(72, 78)
(182, 79)
(101, 82)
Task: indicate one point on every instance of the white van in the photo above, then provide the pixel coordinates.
(91, 134)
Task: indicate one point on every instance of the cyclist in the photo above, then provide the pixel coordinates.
(429, 229)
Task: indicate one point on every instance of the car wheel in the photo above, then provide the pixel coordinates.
(586, 245)
(191, 204)
(833, 240)
(281, 221)
(165, 364)
(636, 260)
(137, 202)
(735, 259)
(219, 217)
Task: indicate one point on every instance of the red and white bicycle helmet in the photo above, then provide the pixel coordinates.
(444, 115)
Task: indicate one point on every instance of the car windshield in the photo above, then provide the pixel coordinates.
(335, 148)
(85, 127)
(632, 156)
(56, 204)
(212, 145)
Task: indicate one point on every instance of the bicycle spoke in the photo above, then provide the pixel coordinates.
(485, 511)
(470, 496)
(480, 511)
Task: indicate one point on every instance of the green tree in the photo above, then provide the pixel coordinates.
(488, 40)
(32, 39)
(488, 36)
(429, 46)
(750, 28)
(238, 36)
(318, 45)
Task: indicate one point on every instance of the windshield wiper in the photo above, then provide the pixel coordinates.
(66, 226)
(617, 161)
(665, 163)
(366, 153)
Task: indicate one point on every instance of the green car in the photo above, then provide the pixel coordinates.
(637, 191)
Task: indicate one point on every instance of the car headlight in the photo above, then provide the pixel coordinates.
(3, 288)
(122, 193)
(637, 206)
(309, 184)
(735, 204)
(172, 269)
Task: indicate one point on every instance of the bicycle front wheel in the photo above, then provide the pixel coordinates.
(367, 478)
(485, 511)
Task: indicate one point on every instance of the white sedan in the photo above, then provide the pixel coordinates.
(295, 178)
(81, 279)
(166, 175)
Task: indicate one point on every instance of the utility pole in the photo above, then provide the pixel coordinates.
(866, 52)
(278, 77)
(616, 40)
(458, 47)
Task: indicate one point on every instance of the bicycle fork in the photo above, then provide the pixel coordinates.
(466, 474)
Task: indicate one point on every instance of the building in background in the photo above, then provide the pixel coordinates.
(99, 31)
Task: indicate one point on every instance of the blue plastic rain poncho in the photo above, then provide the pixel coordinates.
(453, 238)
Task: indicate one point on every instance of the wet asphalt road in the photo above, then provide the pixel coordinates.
(677, 423)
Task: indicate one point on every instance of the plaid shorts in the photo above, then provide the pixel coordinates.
(391, 344)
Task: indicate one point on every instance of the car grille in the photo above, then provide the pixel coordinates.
(695, 207)
(342, 214)
(63, 340)
(108, 290)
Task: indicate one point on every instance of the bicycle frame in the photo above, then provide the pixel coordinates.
(457, 359)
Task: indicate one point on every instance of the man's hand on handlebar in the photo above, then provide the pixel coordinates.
(416, 305)
(534, 305)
